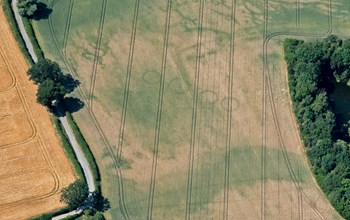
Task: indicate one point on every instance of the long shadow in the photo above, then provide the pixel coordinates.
(72, 104)
(69, 83)
(42, 12)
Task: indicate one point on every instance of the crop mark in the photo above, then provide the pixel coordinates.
(151, 77)
(194, 112)
(229, 112)
(159, 112)
(124, 211)
(97, 53)
(124, 108)
(209, 96)
(59, 50)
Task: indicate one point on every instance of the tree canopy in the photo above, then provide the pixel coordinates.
(312, 66)
(75, 194)
(52, 83)
(45, 69)
(49, 91)
(27, 8)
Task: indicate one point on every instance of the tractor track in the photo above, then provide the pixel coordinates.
(97, 54)
(268, 91)
(194, 112)
(67, 27)
(229, 112)
(94, 121)
(159, 112)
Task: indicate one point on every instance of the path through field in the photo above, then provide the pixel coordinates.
(33, 166)
(186, 103)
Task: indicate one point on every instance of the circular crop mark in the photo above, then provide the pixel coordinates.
(234, 103)
(209, 96)
(188, 24)
(176, 86)
(151, 77)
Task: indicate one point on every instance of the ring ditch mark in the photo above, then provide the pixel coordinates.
(151, 77)
(208, 96)
(188, 24)
(234, 101)
(176, 86)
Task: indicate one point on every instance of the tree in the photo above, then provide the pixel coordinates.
(27, 8)
(100, 203)
(49, 91)
(45, 69)
(340, 63)
(75, 194)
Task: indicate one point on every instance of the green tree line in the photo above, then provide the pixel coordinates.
(312, 67)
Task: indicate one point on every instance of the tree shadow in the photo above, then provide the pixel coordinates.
(72, 104)
(100, 203)
(69, 83)
(42, 12)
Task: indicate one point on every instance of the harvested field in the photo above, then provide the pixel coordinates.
(33, 166)
(190, 104)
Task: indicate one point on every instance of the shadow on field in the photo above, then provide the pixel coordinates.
(68, 104)
(72, 104)
(70, 83)
(42, 12)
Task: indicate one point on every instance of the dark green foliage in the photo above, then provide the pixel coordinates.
(27, 8)
(30, 31)
(311, 67)
(67, 147)
(53, 84)
(6, 6)
(100, 203)
(340, 63)
(75, 194)
(49, 91)
(45, 69)
(98, 216)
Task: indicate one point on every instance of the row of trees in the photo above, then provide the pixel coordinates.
(77, 195)
(312, 67)
(53, 85)
(27, 8)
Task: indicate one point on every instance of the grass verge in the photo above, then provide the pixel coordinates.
(29, 29)
(6, 6)
(86, 150)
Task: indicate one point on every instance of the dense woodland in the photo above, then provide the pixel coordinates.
(313, 69)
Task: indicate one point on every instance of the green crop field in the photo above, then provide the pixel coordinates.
(186, 103)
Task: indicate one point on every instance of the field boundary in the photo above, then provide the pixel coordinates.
(6, 5)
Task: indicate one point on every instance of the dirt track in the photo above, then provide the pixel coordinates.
(33, 166)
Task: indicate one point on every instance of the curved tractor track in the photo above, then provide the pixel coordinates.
(268, 92)
(268, 96)
(87, 98)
